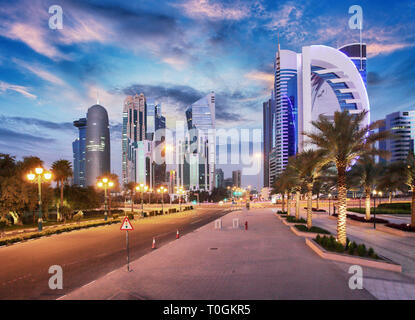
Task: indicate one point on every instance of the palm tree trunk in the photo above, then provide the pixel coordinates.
(283, 202)
(297, 205)
(342, 203)
(367, 205)
(390, 197)
(413, 207)
(318, 201)
(288, 203)
(132, 202)
(309, 206)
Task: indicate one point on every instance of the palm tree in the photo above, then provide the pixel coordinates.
(391, 180)
(293, 170)
(343, 140)
(406, 170)
(308, 164)
(130, 186)
(62, 170)
(365, 174)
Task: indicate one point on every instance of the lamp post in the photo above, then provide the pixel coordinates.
(374, 208)
(180, 192)
(105, 183)
(149, 195)
(162, 190)
(329, 204)
(41, 176)
(142, 188)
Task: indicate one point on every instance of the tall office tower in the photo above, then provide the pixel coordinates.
(319, 81)
(158, 138)
(268, 117)
(402, 125)
(201, 116)
(134, 130)
(79, 153)
(285, 108)
(357, 53)
(98, 151)
(236, 178)
(219, 182)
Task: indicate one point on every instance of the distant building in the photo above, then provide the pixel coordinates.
(143, 130)
(219, 182)
(79, 153)
(197, 151)
(228, 182)
(98, 153)
(236, 178)
(268, 118)
(402, 125)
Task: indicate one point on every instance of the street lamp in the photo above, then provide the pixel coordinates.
(180, 192)
(105, 183)
(41, 176)
(162, 190)
(142, 188)
(374, 208)
(329, 204)
(150, 191)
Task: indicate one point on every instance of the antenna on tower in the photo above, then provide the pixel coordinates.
(278, 37)
(97, 97)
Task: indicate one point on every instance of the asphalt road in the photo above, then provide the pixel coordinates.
(88, 254)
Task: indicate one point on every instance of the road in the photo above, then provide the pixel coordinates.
(87, 254)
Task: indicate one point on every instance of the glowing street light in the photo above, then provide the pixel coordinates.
(162, 190)
(180, 192)
(41, 176)
(105, 183)
(142, 188)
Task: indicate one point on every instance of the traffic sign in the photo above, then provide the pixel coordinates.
(126, 225)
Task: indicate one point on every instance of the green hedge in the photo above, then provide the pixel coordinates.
(351, 248)
(380, 211)
(53, 231)
(397, 206)
(292, 219)
(303, 228)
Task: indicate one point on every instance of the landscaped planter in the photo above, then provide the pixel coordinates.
(304, 234)
(280, 216)
(367, 262)
(357, 223)
(395, 231)
(284, 221)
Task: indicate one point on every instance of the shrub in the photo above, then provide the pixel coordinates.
(130, 216)
(291, 219)
(361, 250)
(304, 228)
(402, 227)
(399, 205)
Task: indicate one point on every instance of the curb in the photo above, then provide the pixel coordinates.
(396, 232)
(305, 234)
(390, 266)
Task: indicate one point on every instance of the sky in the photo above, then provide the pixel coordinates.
(176, 52)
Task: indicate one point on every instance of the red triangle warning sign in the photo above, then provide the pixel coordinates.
(126, 225)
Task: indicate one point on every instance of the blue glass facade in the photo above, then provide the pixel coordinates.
(79, 153)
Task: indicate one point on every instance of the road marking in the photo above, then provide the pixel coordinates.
(61, 297)
(196, 221)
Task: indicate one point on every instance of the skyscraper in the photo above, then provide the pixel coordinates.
(201, 154)
(79, 153)
(134, 130)
(219, 182)
(143, 130)
(402, 125)
(268, 118)
(236, 178)
(98, 160)
(319, 81)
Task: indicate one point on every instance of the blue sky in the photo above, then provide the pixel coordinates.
(176, 51)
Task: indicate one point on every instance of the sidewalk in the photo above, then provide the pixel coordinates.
(265, 262)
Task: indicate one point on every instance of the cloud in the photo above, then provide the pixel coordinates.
(4, 86)
(375, 49)
(10, 136)
(12, 121)
(267, 78)
(41, 73)
(213, 10)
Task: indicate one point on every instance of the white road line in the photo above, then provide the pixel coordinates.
(61, 297)
(196, 221)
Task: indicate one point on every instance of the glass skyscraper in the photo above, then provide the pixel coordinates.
(98, 153)
(79, 153)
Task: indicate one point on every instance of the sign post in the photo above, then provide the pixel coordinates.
(126, 225)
